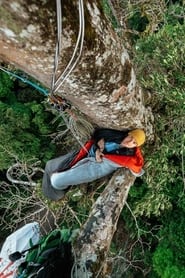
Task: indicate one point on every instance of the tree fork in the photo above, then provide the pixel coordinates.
(92, 245)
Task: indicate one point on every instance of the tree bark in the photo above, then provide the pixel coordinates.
(93, 243)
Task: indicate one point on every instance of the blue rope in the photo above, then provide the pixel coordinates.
(24, 80)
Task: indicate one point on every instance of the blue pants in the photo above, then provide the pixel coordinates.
(86, 170)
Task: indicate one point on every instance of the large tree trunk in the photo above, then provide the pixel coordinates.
(103, 86)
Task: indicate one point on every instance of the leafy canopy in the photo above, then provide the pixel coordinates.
(24, 125)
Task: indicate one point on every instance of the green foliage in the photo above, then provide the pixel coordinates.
(137, 21)
(40, 119)
(175, 13)
(157, 199)
(162, 258)
(172, 234)
(109, 13)
(24, 127)
(161, 58)
(173, 272)
(6, 84)
(169, 257)
(162, 54)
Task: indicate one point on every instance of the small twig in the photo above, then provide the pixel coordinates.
(74, 214)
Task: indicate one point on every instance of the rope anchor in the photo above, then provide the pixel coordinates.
(59, 103)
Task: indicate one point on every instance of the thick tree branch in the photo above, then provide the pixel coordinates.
(93, 243)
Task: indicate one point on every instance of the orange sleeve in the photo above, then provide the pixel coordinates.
(135, 162)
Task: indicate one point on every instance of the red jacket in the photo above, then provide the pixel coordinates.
(135, 162)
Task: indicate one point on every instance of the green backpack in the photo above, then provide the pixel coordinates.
(50, 258)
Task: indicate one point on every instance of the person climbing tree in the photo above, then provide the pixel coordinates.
(106, 151)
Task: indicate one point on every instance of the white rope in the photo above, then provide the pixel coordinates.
(57, 83)
(79, 45)
(58, 43)
(79, 269)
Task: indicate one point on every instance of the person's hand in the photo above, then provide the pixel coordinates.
(99, 155)
(101, 144)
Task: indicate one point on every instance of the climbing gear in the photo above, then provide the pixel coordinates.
(16, 243)
(56, 83)
(59, 103)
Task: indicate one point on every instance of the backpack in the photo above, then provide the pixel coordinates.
(50, 258)
(16, 244)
